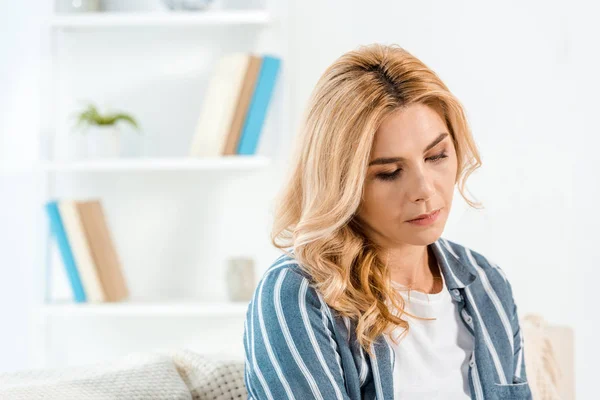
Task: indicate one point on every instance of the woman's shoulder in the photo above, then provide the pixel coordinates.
(282, 266)
(471, 256)
(487, 270)
(285, 280)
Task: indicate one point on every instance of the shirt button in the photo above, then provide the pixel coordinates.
(472, 363)
(455, 292)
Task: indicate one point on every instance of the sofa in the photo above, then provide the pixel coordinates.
(549, 358)
(184, 374)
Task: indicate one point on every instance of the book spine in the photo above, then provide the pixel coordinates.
(259, 105)
(60, 235)
(81, 250)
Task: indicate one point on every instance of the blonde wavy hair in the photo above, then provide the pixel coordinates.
(315, 213)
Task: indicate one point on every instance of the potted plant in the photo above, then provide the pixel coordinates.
(102, 130)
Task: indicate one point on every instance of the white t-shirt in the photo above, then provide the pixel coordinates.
(432, 360)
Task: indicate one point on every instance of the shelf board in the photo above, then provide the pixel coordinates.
(157, 164)
(14, 168)
(158, 19)
(200, 309)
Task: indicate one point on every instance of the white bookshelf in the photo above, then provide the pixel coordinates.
(52, 169)
(161, 19)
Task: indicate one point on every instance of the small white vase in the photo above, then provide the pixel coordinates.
(240, 278)
(103, 142)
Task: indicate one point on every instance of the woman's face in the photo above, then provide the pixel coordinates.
(412, 171)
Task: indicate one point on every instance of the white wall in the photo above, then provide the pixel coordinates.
(581, 104)
(525, 72)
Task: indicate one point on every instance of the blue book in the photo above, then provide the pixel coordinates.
(259, 105)
(62, 241)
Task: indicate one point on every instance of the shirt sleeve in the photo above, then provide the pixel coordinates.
(289, 345)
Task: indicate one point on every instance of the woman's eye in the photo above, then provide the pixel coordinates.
(389, 176)
(438, 157)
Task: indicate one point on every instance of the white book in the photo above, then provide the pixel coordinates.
(82, 254)
(219, 105)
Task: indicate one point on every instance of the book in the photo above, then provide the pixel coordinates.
(81, 251)
(219, 105)
(60, 235)
(243, 104)
(259, 105)
(103, 250)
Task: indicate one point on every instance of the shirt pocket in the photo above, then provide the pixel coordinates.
(513, 391)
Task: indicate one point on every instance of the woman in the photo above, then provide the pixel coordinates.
(368, 300)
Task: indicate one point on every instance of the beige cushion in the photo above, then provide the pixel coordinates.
(135, 376)
(549, 358)
(210, 377)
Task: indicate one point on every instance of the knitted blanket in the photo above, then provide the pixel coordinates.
(173, 375)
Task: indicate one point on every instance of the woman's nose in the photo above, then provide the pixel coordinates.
(423, 188)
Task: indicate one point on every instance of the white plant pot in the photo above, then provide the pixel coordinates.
(103, 142)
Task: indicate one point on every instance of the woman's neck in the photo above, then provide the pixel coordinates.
(414, 267)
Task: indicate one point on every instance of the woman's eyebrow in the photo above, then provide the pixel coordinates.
(388, 160)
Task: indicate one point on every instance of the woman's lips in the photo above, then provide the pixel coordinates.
(431, 218)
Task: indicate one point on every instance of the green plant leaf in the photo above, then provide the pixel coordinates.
(127, 118)
(91, 116)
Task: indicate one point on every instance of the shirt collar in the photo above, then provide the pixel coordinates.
(458, 273)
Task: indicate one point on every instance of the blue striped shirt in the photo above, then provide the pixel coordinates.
(297, 347)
